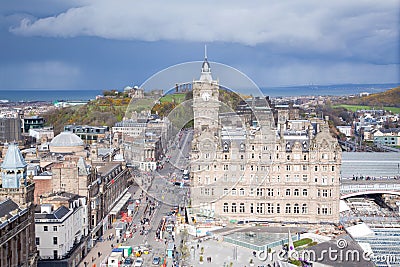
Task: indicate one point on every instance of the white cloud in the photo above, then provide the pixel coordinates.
(310, 25)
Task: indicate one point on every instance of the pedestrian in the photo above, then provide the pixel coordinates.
(98, 254)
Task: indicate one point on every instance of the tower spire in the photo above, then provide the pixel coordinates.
(205, 51)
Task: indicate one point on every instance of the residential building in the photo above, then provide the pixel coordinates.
(34, 122)
(10, 130)
(89, 134)
(61, 228)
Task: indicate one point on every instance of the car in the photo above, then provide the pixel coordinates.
(138, 262)
(127, 262)
(156, 260)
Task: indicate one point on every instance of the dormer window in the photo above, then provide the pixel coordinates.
(242, 147)
(225, 147)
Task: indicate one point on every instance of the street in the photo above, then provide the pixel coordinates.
(158, 195)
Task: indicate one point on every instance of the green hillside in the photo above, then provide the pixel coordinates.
(389, 98)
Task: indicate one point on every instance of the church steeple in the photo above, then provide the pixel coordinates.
(205, 68)
(13, 169)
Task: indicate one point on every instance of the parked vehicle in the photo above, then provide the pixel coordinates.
(156, 261)
(138, 262)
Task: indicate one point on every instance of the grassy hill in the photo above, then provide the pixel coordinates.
(107, 111)
(389, 98)
(104, 111)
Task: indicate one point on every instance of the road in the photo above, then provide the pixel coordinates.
(163, 192)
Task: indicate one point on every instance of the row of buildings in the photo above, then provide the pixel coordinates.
(58, 199)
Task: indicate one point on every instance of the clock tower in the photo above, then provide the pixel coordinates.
(205, 101)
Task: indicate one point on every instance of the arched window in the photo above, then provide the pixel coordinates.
(296, 208)
(287, 208)
(304, 209)
(241, 192)
(225, 207)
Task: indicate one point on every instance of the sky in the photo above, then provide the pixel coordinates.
(102, 44)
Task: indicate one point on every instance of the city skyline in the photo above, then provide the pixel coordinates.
(99, 45)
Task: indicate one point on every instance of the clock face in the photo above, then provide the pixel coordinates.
(205, 96)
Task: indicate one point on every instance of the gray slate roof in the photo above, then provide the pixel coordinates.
(59, 214)
(13, 158)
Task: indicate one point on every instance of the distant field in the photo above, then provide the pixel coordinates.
(179, 98)
(355, 108)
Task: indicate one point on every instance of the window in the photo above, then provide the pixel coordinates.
(233, 207)
(296, 192)
(45, 228)
(260, 208)
(304, 167)
(287, 209)
(319, 193)
(225, 157)
(333, 168)
(305, 157)
(225, 207)
(251, 192)
(226, 191)
(288, 157)
(252, 147)
(270, 192)
(324, 210)
(270, 208)
(226, 167)
(324, 168)
(241, 156)
(55, 240)
(233, 192)
(55, 228)
(305, 177)
(287, 178)
(241, 207)
(37, 241)
(259, 192)
(288, 167)
(304, 209)
(288, 192)
(296, 208)
(242, 167)
(241, 192)
(316, 168)
(55, 254)
(251, 208)
(325, 193)
(305, 193)
(252, 155)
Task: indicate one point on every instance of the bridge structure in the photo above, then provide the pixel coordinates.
(351, 187)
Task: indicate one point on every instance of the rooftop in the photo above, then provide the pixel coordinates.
(13, 158)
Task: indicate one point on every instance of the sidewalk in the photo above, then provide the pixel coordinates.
(92, 258)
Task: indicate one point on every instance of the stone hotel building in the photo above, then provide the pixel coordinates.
(262, 164)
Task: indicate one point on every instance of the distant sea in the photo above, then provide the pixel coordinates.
(30, 95)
